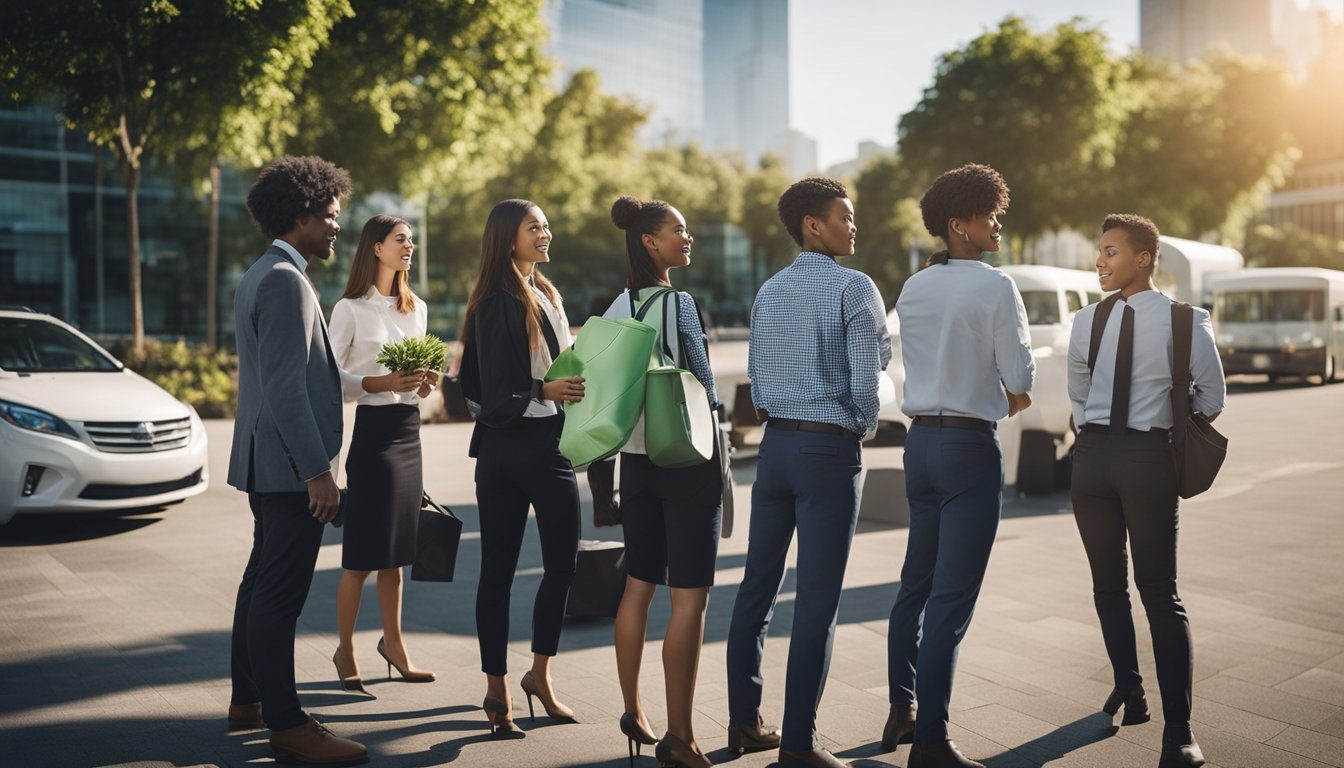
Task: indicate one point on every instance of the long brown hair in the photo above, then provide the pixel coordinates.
(497, 272)
(364, 269)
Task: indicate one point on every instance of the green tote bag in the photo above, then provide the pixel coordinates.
(613, 356)
(679, 427)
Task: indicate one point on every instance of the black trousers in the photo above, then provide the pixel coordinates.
(285, 541)
(1125, 485)
(516, 469)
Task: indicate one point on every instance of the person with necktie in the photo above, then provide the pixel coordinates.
(968, 363)
(1124, 473)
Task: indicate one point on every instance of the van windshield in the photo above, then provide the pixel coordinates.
(1282, 306)
(1042, 307)
(37, 346)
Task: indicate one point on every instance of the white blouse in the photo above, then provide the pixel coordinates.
(541, 356)
(359, 328)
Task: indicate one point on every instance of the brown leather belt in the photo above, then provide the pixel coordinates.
(956, 422)
(1105, 429)
(795, 425)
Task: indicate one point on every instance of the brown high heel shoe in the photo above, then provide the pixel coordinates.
(349, 683)
(501, 719)
(672, 752)
(553, 708)
(636, 735)
(410, 676)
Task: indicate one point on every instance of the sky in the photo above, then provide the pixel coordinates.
(855, 66)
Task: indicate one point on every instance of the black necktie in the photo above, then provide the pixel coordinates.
(1124, 370)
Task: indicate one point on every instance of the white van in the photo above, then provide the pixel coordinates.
(1185, 268)
(1035, 440)
(1286, 321)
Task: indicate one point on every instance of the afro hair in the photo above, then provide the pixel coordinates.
(290, 188)
(809, 197)
(963, 193)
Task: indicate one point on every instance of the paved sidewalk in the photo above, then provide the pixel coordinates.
(114, 632)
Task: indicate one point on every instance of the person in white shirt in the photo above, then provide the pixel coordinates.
(1124, 472)
(383, 467)
(968, 364)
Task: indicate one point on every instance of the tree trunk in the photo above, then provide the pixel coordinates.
(212, 261)
(132, 171)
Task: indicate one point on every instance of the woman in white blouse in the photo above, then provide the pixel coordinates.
(383, 467)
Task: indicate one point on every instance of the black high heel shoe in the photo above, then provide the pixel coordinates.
(672, 752)
(501, 720)
(409, 676)
(636, 735)
(1136, 705)
(351, 683)
(554, 709)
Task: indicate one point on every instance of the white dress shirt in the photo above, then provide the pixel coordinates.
(1150, 387)
(359, 328)
(964, 337)
(541, 356)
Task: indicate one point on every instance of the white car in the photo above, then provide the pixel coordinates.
(80, 432)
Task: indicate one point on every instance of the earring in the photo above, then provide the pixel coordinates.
(965, 237)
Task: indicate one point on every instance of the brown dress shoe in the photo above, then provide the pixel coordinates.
(812, 758)
(245, 716)
(312, 744)
(900, 726)
(944, 754)
(752, 738)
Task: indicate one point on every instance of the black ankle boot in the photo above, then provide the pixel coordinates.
(1136, 705)
(1179, 749)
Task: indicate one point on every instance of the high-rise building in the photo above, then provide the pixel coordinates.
(647, 50)
(746, 66)
(1279, 30)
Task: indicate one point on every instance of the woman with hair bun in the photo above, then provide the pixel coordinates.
(670, 517)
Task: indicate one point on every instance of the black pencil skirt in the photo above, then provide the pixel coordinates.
(383, 474)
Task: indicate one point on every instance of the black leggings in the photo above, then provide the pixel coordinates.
(516, 469)
(1125, 486)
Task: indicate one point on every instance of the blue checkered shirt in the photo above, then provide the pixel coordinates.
(818, 344)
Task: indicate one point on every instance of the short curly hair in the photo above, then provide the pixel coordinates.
(290, 188)
(809, 197)
(963, 193)
(1141, 232)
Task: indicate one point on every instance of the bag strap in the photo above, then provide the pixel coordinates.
(661, 293)
(1182, 328)
(1099, 319)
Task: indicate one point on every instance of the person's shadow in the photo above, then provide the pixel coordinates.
(1040, 751)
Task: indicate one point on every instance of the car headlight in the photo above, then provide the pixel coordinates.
(38, 421)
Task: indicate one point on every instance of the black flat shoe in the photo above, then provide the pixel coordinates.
(1136, 705)
(941, 755)
(900, 728)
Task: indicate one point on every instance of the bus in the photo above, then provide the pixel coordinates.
(1280, 321)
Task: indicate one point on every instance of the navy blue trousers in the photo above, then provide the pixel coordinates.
(954, 484)
(807, 481)
(285, 541)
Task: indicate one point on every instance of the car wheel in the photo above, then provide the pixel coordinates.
(1036, 462)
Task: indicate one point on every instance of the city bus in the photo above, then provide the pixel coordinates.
(1284, 321)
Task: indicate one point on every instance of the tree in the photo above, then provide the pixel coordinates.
(1291, 246)
(134, 75)
(886, 212)
(1043, 109)
(772, 246)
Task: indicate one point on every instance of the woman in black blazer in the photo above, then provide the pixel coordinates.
(515, 327)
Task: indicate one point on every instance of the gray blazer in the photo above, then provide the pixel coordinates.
(288, 427)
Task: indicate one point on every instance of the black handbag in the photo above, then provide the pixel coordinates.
(436, 541)
(606, 497)
(1199, 449)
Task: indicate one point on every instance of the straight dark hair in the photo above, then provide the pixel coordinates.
(364, 268)
(497, 271)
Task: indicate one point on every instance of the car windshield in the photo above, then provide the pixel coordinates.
(1042, 307)
(1272, 306)
(33, 345)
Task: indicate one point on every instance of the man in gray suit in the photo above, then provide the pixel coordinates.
(285, 436)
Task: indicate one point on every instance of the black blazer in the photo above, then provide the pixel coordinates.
(496, 371)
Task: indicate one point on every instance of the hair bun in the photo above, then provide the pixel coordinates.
(625, 210)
